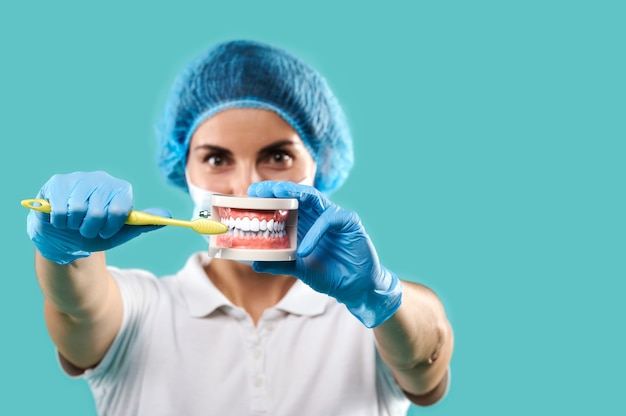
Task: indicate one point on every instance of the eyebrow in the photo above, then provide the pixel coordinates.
(268, 148)
(210, 147)
(277, 145)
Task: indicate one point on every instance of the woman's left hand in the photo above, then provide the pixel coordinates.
(335, 255)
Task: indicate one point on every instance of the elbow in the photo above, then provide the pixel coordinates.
(433, 396)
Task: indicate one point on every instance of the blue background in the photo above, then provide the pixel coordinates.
(489, 140)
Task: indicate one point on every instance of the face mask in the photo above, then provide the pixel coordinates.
(201, 199)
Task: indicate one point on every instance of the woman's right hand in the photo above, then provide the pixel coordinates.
(88, 214)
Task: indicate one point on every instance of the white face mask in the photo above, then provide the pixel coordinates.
(201, 199)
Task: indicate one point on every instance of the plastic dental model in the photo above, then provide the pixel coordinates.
(259, 229)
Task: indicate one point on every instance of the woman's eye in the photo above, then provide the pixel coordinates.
(215, 160)
(281, 157)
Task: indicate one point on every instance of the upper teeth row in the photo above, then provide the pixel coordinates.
(247, 224)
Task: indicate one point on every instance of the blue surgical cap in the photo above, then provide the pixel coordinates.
(247, 74)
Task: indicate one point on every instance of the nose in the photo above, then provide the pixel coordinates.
(243, 178)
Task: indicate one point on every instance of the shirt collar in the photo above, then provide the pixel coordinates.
(302, 300)
(200, 294)
(202, 297)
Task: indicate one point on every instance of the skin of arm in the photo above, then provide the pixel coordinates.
(82, 307)
(417, 343)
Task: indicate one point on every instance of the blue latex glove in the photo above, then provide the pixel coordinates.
(89, 210)
(335, 255)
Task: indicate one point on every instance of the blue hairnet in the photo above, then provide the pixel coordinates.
(247, 74)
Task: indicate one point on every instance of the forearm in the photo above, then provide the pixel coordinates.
(82, 306)
(76, 289)
(417, 342)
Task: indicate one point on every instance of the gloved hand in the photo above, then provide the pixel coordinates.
(89, 210)
(335, 255)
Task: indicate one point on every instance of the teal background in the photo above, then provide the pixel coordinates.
(489, 141)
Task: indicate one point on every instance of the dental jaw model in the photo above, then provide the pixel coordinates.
(259, 229)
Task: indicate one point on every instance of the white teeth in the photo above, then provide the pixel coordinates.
(253, 228)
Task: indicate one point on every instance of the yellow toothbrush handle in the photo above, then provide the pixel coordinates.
(134, 218)
(143, 218)
(37, 204)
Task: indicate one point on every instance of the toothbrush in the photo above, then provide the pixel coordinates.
(200, 225)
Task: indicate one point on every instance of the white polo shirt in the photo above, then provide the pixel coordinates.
(185, 349)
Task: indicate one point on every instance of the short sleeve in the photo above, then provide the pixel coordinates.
(391, 398)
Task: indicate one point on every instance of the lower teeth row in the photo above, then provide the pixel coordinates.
(257, 234)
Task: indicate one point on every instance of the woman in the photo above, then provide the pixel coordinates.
(333, 332)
